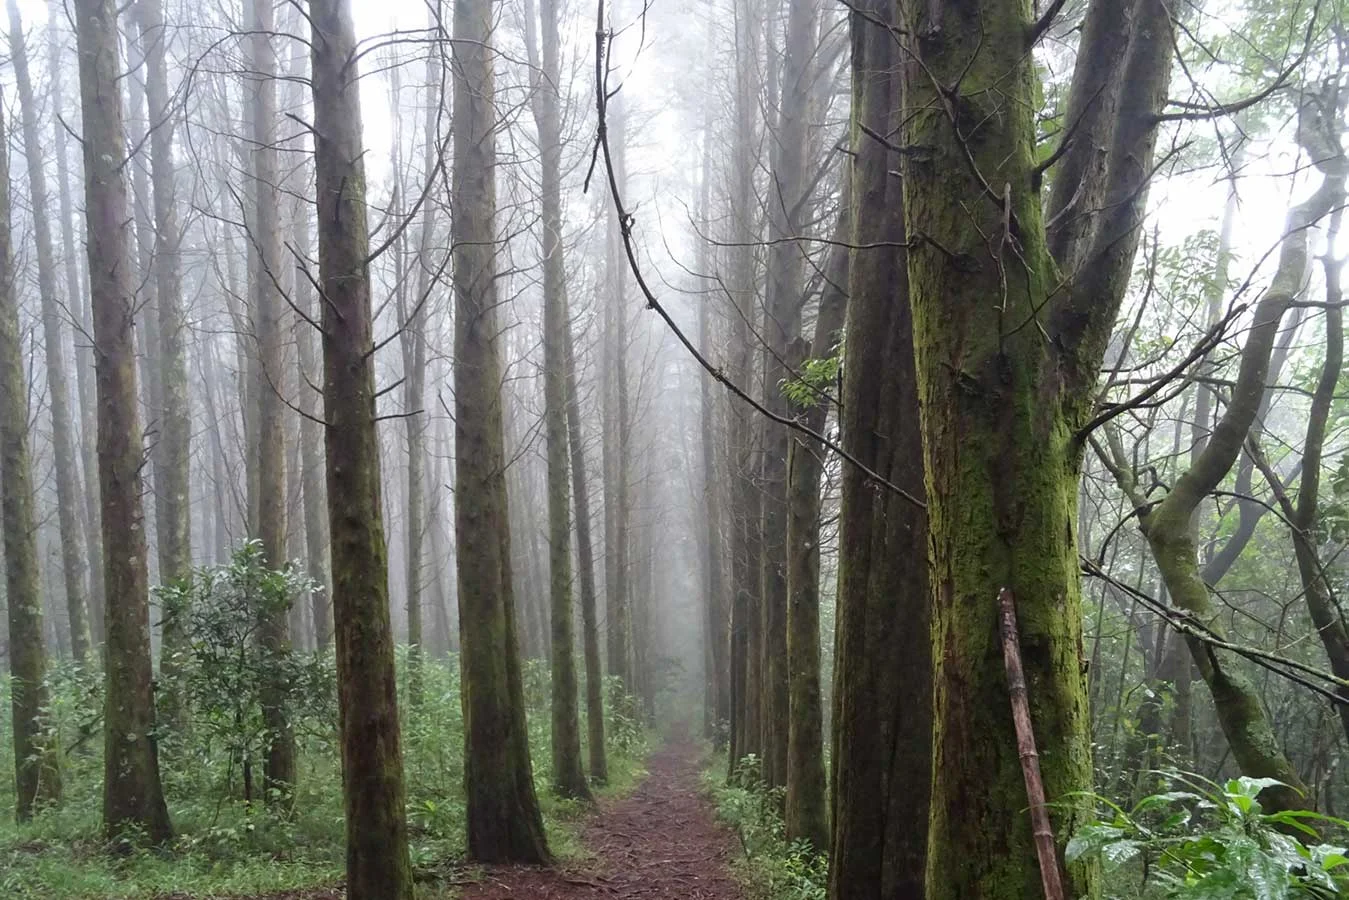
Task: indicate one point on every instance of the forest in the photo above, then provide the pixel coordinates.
(699, 449)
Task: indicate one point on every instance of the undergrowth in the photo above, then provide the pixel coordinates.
(226, 845)
(771, 867)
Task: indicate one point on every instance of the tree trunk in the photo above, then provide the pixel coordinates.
(569, 778)
(716, 612)
(882, 703)
(132, 795)
(806, 814)
(265, 238)
(504, 822)
(378, 866)
(1008, 353)
(84, 356)
(37, 773)
(173, 462)
(787, 199)
(585, 553)
(311, 445)
(58, 390)
(1250, 734)
(746, 512)
(618, 628)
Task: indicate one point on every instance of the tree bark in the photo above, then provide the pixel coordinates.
(58, 390)
(173, 462)
(84, 357)
(882, 699)
(133, 797)
(787, 199)
(1007, 359)
(504, 822)
(806, 812)
(378, 866)
(265, 238)
(37, 772)
(569, 778)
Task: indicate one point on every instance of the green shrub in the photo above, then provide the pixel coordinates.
(1206, 841)
(772, 866)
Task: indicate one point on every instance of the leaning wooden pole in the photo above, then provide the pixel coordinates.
(1041, 828)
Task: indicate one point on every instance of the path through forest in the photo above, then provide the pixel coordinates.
(659, 843)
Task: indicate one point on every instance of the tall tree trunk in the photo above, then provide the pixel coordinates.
(37, 773)
(882, 698)
(133, 797)
(173, 462)
(746, 513)
(78, 304)
(378, 866)
(585, 554)
(413, 342)
(806, 814)
(1008, 353)
(787, 200)
(311, 444)
(504, 822)
(618, 628)
(265, 237)
(569, 778)
(716, 612)
(58, 390)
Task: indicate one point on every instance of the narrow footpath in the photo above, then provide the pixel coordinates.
(659, 843)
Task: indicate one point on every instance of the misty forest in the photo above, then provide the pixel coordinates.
(687, 449)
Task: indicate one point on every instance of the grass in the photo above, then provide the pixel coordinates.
(225, 847)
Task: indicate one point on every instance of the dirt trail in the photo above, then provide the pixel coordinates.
(659, 843)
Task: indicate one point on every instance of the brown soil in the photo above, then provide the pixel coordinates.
(659, 843)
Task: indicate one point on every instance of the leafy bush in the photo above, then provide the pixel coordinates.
(225, 667)
(1207, 841)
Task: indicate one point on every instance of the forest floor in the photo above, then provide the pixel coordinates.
(660, 842)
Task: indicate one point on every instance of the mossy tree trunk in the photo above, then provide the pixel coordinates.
(882, 735)
(133, 798)
(543, 47)
(58, 389)
(378, 866)
(37, 772)
(1007, 352)
(265, 238)
(504, 822)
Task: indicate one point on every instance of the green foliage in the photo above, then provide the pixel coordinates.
(772, 866)
(1206, 841)
(225, 668)
(226, 846)
(818, 378)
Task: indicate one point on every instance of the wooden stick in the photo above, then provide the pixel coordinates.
(1025, 745)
